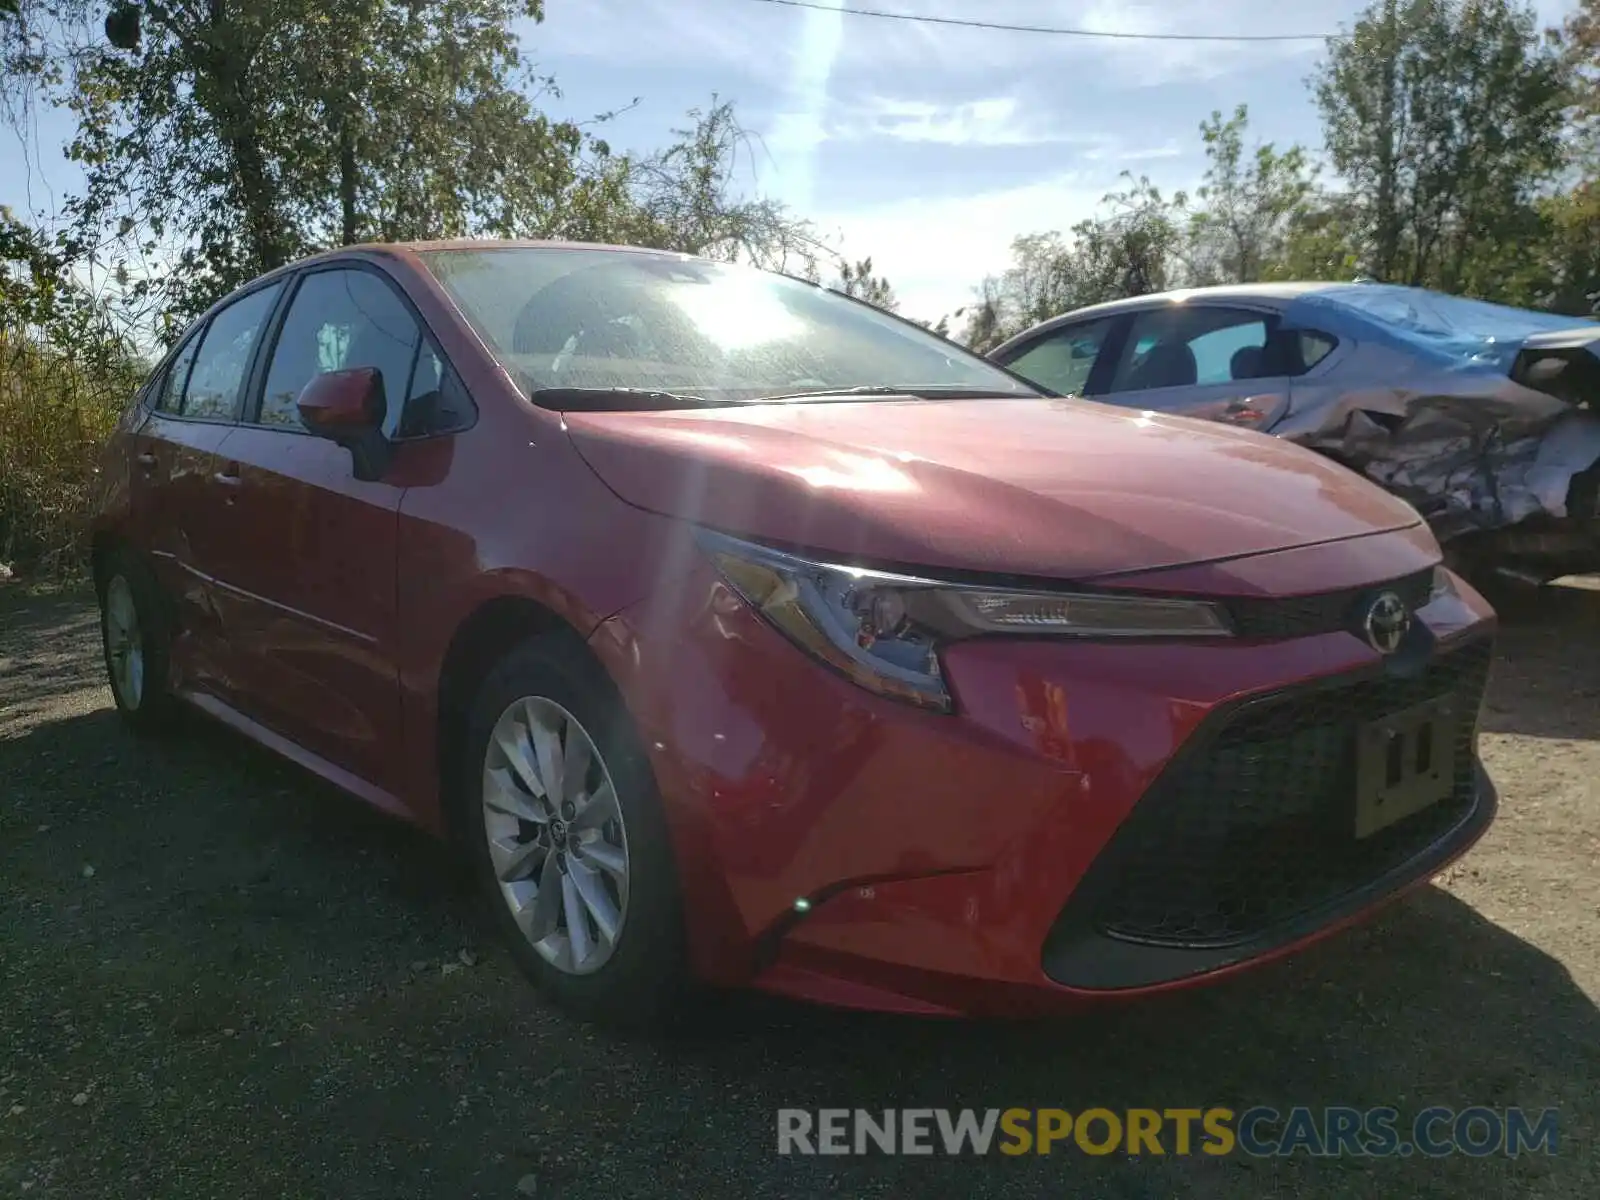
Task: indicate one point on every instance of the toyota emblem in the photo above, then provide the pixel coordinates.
(1386, 623)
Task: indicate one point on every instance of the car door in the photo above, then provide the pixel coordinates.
(309, 579)
(1213, 361)
(161, 445)
(177, 501)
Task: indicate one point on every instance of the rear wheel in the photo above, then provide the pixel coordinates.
(134, 636)
(568, 838)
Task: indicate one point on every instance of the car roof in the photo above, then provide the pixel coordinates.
(408, 254)
(1247, 292)
(406, 249)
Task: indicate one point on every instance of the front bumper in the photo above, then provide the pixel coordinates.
(976, 863)
(1246, 843)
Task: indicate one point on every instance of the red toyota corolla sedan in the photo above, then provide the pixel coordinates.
(747, 635)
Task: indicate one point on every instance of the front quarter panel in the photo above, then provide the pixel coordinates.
(509, 510)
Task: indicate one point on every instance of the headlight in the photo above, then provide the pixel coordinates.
(884, 631)
(1444, 584)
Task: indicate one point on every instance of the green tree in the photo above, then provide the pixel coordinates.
(985, 322)
(1444, 117)
(685, 198)
(1322, 240)
(1571, 280)
(248, 132)
(1581, 52)
(1248, 206)
(65, 376)
(1132, 248)
(424, 125)
(857, 279)
(29, 274)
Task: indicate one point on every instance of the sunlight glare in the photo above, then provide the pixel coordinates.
(738, 311)
(856, 473)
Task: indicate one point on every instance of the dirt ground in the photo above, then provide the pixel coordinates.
(219, 978)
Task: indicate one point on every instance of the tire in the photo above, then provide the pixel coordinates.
(135, 639)
(637, 979)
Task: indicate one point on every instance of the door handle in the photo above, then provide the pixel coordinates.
(146, 461)
(228, 478)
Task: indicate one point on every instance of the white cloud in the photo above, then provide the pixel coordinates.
(1150, 63)
(800, 129)
(958, 51)
(725, 38)
(1113, 151)
(738, 39)
(992, 121)
(934, 252)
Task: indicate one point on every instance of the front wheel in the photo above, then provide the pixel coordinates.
(134, 637)
(568, 837)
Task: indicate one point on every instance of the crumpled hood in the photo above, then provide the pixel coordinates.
(1048, 488)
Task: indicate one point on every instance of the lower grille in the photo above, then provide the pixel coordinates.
(1255, 827)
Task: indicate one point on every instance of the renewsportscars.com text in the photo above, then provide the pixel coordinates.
(1216, 1131)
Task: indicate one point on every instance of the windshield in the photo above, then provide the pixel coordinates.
(1461, 329)
(563, 318)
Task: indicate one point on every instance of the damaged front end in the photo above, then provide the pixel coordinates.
(1494, 439)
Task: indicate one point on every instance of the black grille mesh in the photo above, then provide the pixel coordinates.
(1326, 612)
(1257, 827)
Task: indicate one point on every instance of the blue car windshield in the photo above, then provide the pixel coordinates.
(1467, 331)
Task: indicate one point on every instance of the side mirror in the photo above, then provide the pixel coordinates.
(348, 407)
(343, 404)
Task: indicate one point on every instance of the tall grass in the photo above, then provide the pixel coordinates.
(60, 397)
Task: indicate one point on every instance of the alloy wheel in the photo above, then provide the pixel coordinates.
(557, 841)
(124, 642)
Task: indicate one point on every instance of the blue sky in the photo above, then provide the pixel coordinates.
(927, 147)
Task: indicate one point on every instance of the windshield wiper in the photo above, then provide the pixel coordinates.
(616, 399)
(928, 391)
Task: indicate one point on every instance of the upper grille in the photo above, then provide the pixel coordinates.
(1255, 827)
(1326, 612)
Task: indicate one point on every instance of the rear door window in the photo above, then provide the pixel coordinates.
(1188, 346)
(1218, 356)
(169, 395)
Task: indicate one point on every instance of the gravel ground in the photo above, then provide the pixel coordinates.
(220, 978)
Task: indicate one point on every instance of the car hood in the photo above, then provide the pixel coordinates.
(1063, 489)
